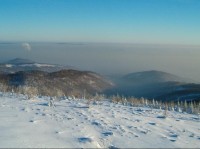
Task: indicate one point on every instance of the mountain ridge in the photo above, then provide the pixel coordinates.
(155, 76)
(18, 61)
(156, 84)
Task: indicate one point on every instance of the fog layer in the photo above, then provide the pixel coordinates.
(111, 59)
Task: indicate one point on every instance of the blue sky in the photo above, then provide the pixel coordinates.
(126, 21)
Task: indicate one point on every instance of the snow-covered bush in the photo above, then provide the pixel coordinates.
(179, 106)
(3, 87)
(29, 91)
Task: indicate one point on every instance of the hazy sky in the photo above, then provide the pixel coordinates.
(165, 34)
(135, 21)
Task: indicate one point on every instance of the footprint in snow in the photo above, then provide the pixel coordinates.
(113, 147)
(139, 110)
(69, 118)
(161, 116)
(22, 109)
(41, 114)
(133, 134)
(152, 123)
(113, 127)
(191, 135)
(125, 118)
(136, 135)
(34, 121)
(144, 131)
(113, 116)
(174, 135)
(195, 118)
(96, 123)
(129, 127)
(137, 120)
(107, 133)
(172, 140)
(59, 132)
(84, 140)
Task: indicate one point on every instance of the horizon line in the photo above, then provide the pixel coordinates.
(92, 42)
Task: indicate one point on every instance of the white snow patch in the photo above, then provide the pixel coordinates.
(37, 65)
(9, 65)
(43, 65)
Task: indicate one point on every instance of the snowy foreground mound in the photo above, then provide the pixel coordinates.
(32, 123)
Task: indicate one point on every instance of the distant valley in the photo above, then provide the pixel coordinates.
(156, 85)
(57, 80)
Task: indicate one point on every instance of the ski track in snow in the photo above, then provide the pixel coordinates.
(32, 123)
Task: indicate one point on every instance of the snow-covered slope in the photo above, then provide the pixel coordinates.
(32, 123)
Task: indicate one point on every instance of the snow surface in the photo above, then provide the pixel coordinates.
(43, 65)
(9, 65)
(32, 123)
(37, 65)
(30, 65)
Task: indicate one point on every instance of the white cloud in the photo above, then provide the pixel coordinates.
(26, 46)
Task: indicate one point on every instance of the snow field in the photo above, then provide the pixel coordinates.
(32, 123)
